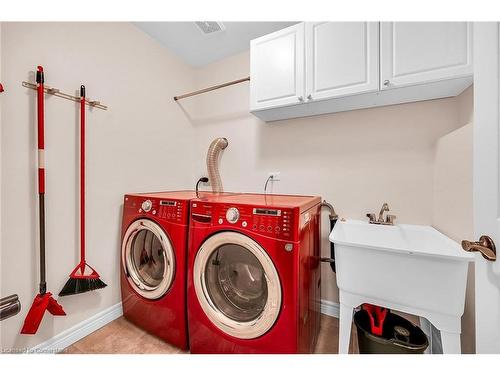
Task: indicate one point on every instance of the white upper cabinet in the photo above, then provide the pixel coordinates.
(341, 59)
(277, 68)
(421, 52)
(315, 68)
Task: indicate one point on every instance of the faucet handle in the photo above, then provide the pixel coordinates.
(389, 219)
(371, 217)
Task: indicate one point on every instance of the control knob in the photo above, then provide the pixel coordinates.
(232, 215)
(147, 205)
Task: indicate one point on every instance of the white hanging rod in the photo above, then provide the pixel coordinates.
(56, 92)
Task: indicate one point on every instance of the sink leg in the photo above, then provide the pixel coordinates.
(451, 342)
(345, 324)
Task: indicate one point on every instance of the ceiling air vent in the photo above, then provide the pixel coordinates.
(210, 27)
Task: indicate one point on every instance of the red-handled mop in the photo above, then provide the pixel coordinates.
(79, 281)
(44, 300)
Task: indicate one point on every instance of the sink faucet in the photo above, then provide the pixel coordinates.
(385, 207)
(389, 220)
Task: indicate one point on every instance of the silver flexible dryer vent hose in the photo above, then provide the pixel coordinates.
(213, 155)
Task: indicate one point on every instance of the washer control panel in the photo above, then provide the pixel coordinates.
(273, 220)
(269, 221)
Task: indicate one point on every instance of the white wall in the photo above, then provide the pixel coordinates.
(140, 144)
(453, 175)
(356, 160)
(453, 205)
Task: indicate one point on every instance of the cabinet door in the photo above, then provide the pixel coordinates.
(420, 52)
(277, 68)
(341, 59)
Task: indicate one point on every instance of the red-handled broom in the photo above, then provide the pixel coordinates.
(44, 300)
(81, 281)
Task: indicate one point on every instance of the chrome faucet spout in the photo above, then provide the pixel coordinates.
(385, 207)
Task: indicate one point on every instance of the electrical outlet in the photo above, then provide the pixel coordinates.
(275, 176)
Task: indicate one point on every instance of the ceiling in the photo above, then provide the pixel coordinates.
(197, 49)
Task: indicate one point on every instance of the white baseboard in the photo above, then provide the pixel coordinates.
(330, 308)
(79, 331)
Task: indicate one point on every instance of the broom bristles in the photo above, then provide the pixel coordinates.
(77, 285)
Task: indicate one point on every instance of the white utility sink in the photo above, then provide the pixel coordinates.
(409, 268)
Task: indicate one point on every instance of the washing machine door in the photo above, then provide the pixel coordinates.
(148, 259)
(237, 285)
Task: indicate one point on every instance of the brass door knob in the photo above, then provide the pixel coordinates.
(485, 246)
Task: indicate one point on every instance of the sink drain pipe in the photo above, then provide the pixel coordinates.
(333, 220)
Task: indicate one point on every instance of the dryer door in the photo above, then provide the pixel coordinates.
(237, 285)
(148, 259)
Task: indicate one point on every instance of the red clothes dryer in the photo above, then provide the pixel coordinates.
(153, 263)
(253, 274)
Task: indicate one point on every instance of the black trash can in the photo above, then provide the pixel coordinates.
(399, 336)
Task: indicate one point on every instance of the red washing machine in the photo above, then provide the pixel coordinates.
(253, 274)
(153, 263)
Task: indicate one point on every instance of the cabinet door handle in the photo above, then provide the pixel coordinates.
(301, 98)
(386, 82)
(309, 97)
(485, 246)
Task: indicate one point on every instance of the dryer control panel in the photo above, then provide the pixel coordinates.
(167, 209)
(270, 221)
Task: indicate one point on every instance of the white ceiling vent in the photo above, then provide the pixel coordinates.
(210, 27)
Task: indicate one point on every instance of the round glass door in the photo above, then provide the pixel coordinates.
(237, 285)
(148, 259)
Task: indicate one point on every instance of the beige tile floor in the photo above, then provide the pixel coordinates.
(122, 337)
